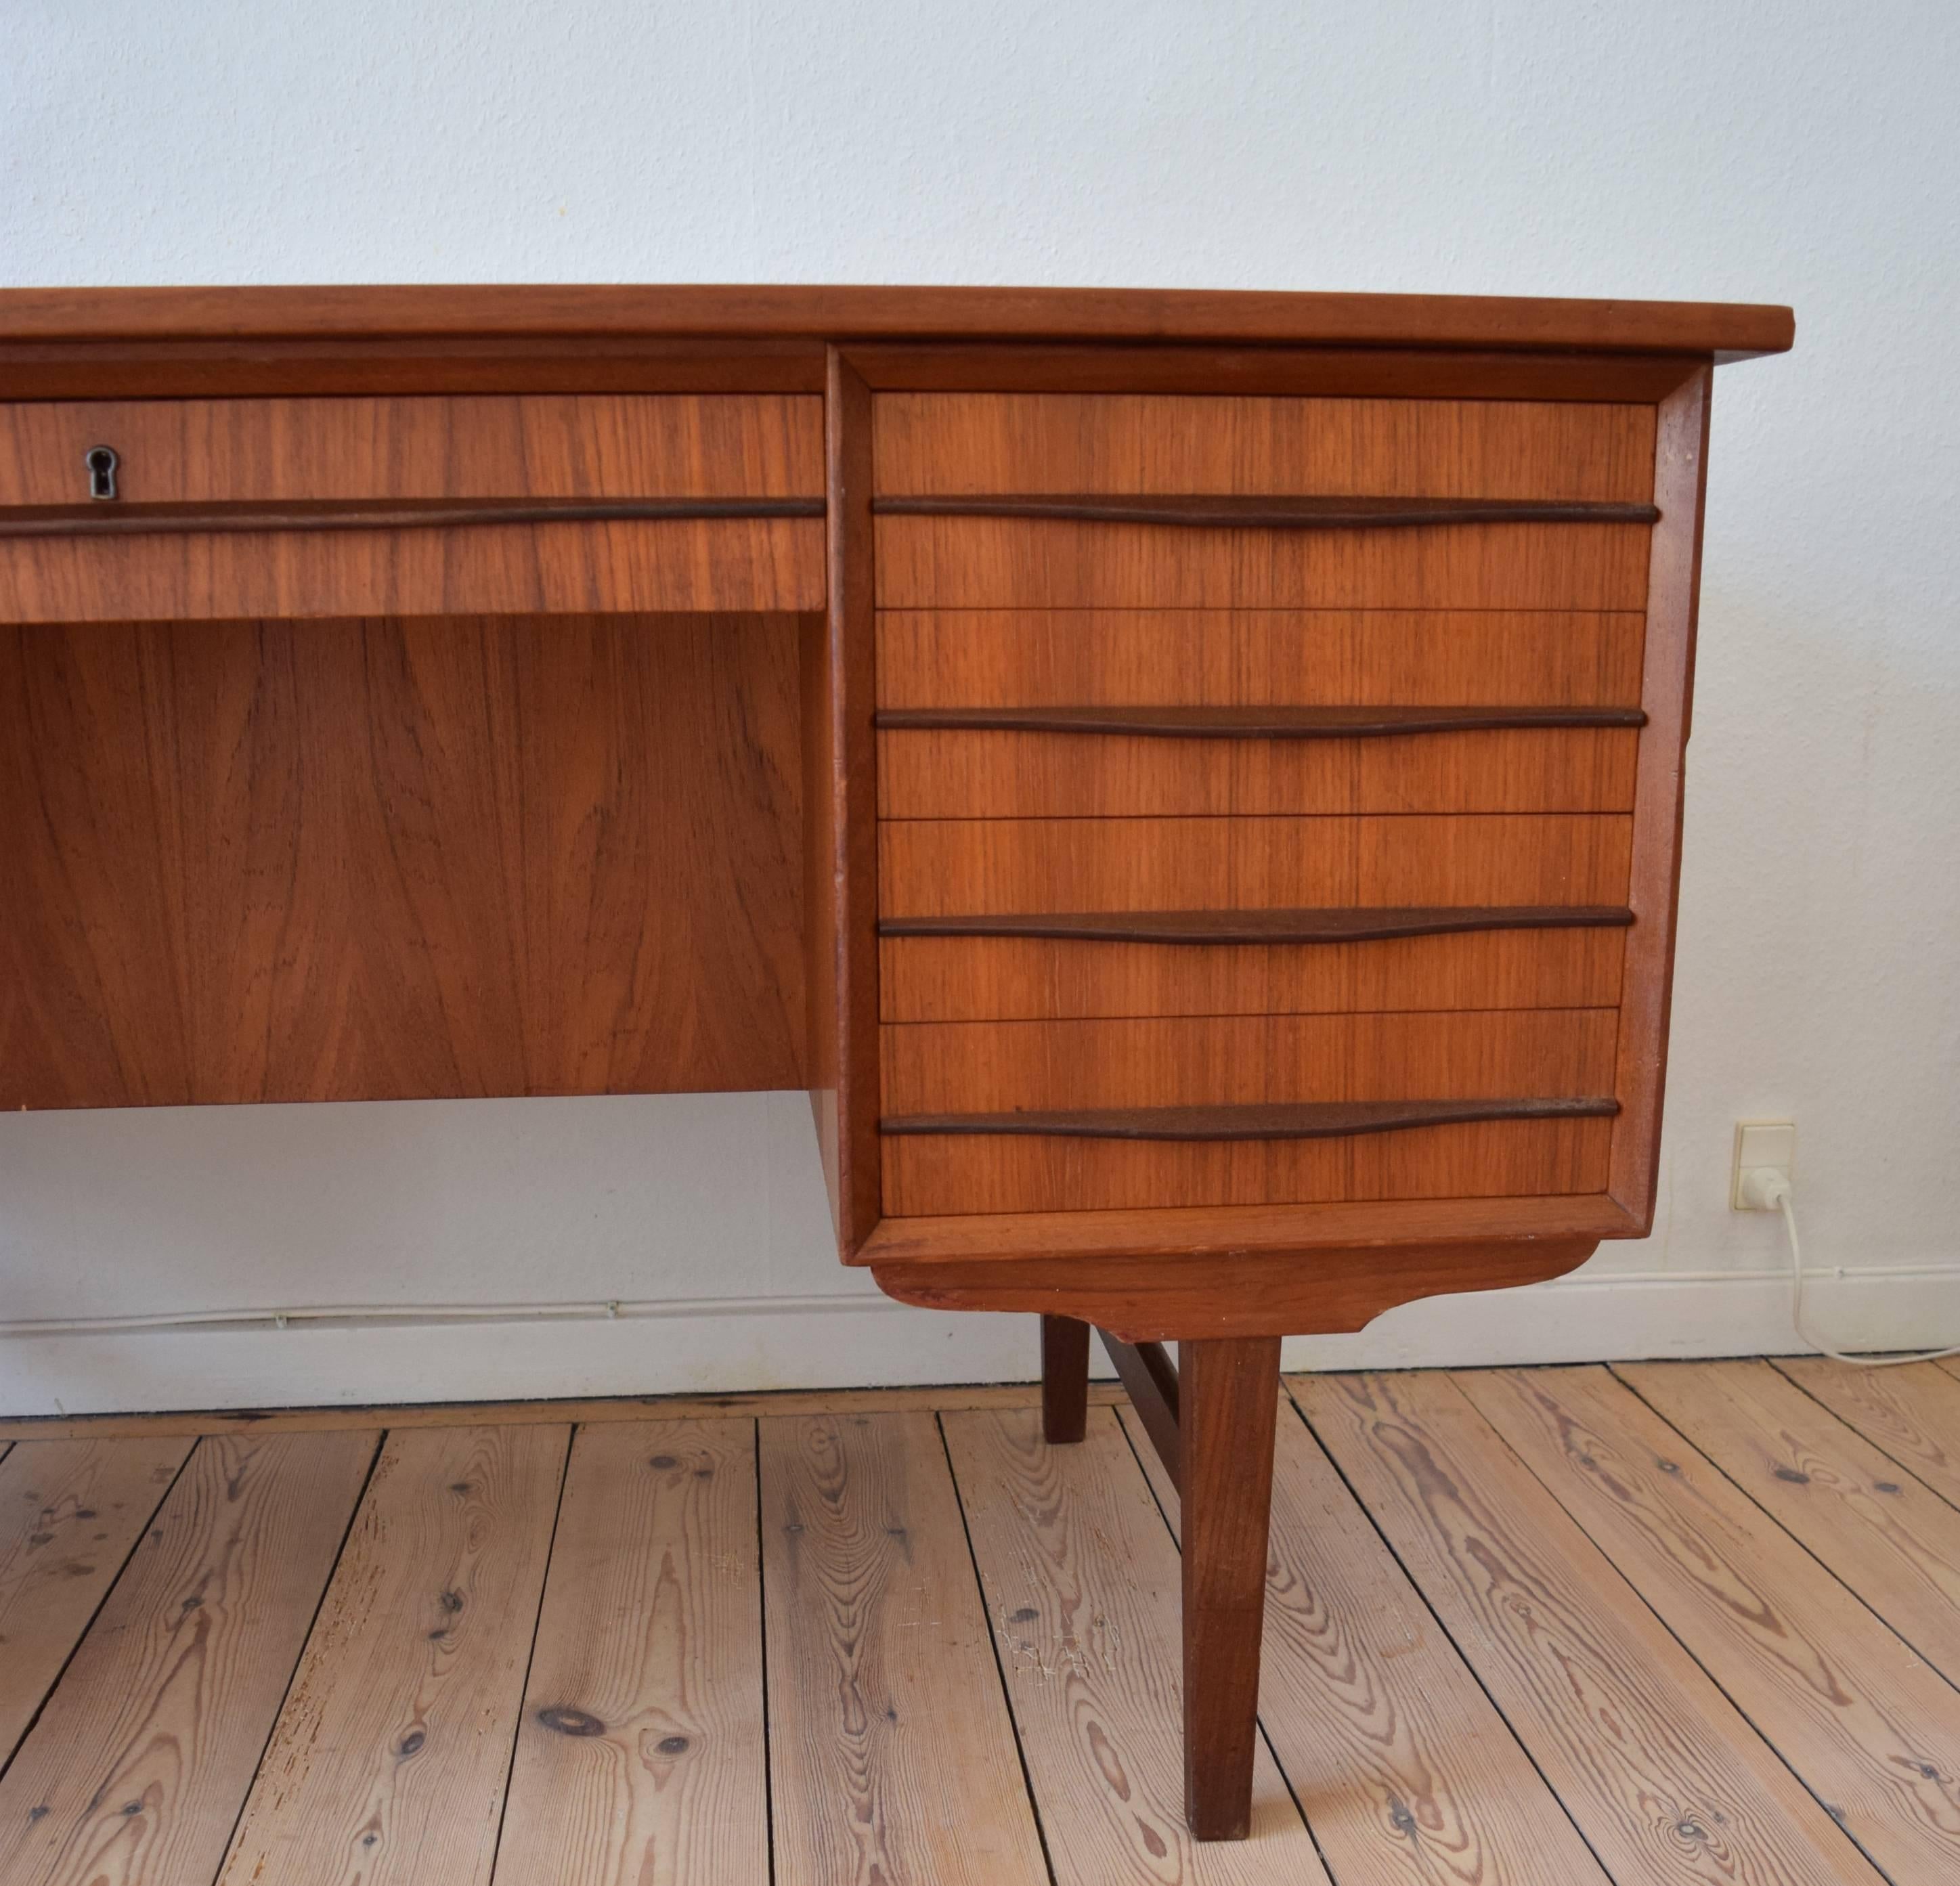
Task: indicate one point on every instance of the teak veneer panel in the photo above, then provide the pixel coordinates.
(929, 1175)
(537, 445)
(750, 314)
(1004, 563)
(1013, 978)
(1246, 1061)
(962, 867)
(731, 564)
(930, 658)
(992, 774)
(947, 444)
(381, 859)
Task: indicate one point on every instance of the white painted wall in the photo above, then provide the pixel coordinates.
(1801, 151)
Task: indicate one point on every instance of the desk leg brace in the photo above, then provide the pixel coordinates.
(1211, 1422)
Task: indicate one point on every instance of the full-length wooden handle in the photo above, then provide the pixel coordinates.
(1253, 723)
(1207, 511)
(1305, 1120)
(363, 514)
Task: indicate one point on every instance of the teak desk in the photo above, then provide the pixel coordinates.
(1190, 783)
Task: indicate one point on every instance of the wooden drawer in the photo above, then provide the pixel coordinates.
(612, 445)
(942, 773)
(926, 1176)
(967, 978)
(1000, 1067)
(964, 867)
(1093, 1116)
(1151, 657)
(411, 506)
(947, 444)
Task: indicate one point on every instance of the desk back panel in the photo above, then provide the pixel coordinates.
(400, 858)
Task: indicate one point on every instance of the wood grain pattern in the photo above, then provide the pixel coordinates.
(70, 1511)
(1889, 1539)
(930, 658)
(1186, 1294)
(1913, 1413)
(1149, 1380)
(1246, 1060)
(1081, 1585)
(388, 859)
(971, 444)
(1412, 1774)
(1662, 1776)
(1867, 1725)
(389, 1759)
(873, 1628)
(1007, 563)
(972, 1243)
(570, 568)
(1680, 472)
(1271, 513)
(641, 1760)
(1400, 373)
(1227, 1390)
(841, 760)
(1065, 1379)
(963, 867)
(748, 313)
(967, 977)
(926, 1176)
(539, 446)
(135, 1769)
(998, 774)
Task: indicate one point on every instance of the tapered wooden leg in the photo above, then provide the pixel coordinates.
(1064, 1378)
(1228, 1392)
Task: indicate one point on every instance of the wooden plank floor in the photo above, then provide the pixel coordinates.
(1652, 1625)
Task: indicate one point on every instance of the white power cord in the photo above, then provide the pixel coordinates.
(1772, 1191)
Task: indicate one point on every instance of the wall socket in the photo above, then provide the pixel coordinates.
(1762, 1146)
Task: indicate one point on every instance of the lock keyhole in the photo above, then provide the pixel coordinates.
(101, 461)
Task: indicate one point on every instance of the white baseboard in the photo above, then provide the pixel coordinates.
(102, 1365)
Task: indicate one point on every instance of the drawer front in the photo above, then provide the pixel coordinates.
(928, 1176)
(325, 507)
(949, 443)
(1159, 657)
(927, 978)
(219, 451)
(944, 774)
(937, 868)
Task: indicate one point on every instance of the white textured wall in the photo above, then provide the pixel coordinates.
(1805, 152)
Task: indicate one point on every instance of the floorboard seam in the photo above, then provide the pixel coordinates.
(1716, 1682)
(1904, 1466)
(1448, 1637)
(82, 1635)
(994, 1645)
(531, 1652)
(1830, 1571)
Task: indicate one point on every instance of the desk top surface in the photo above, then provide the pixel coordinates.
(766, 313)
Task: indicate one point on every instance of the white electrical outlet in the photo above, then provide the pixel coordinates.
(1763, 1148)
